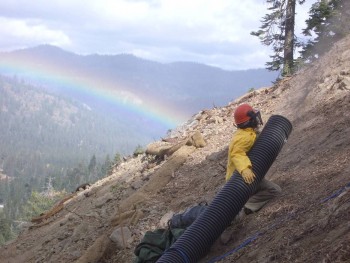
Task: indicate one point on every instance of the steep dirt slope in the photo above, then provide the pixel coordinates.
(311, 224)
(306, 224)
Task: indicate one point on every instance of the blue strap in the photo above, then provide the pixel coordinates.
(242, 245)
(180, 252)
(337, 193)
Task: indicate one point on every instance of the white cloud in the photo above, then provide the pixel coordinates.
(19, 33)
(205, 31)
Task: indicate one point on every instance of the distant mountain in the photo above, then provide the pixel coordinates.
(58, 108)
(187, 86)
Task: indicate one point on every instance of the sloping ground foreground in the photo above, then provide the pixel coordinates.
(308, 223)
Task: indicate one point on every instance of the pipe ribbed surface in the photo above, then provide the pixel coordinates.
(195, 242)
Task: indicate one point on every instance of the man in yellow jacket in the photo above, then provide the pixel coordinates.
(247, 121)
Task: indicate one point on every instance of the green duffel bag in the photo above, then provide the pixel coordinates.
(154, 243)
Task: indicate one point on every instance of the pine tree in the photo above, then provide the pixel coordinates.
(5, 229)
(92, 171)
(117, 159)
(106, 167)
(288, 50)
(39, 203)
(329, 21)
(92, 164)
(277, 29)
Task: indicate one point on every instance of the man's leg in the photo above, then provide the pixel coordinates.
(266, 191)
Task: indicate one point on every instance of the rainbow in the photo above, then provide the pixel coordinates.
(147, 106)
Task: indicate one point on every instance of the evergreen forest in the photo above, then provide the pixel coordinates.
(49, 146)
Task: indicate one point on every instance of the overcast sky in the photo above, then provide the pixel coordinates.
(212, 32)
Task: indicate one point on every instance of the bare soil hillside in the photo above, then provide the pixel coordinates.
(309, 222)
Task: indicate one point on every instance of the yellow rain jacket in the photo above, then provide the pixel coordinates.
(241, 142)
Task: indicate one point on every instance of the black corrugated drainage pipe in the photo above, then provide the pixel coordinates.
(196, 241)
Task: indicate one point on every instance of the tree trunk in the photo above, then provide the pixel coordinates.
(289, 38)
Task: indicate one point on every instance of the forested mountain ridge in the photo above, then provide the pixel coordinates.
(182, 84)
(52, 143)
(40, 129)
(46, 137)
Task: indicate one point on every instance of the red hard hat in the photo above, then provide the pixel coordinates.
(241, 113)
